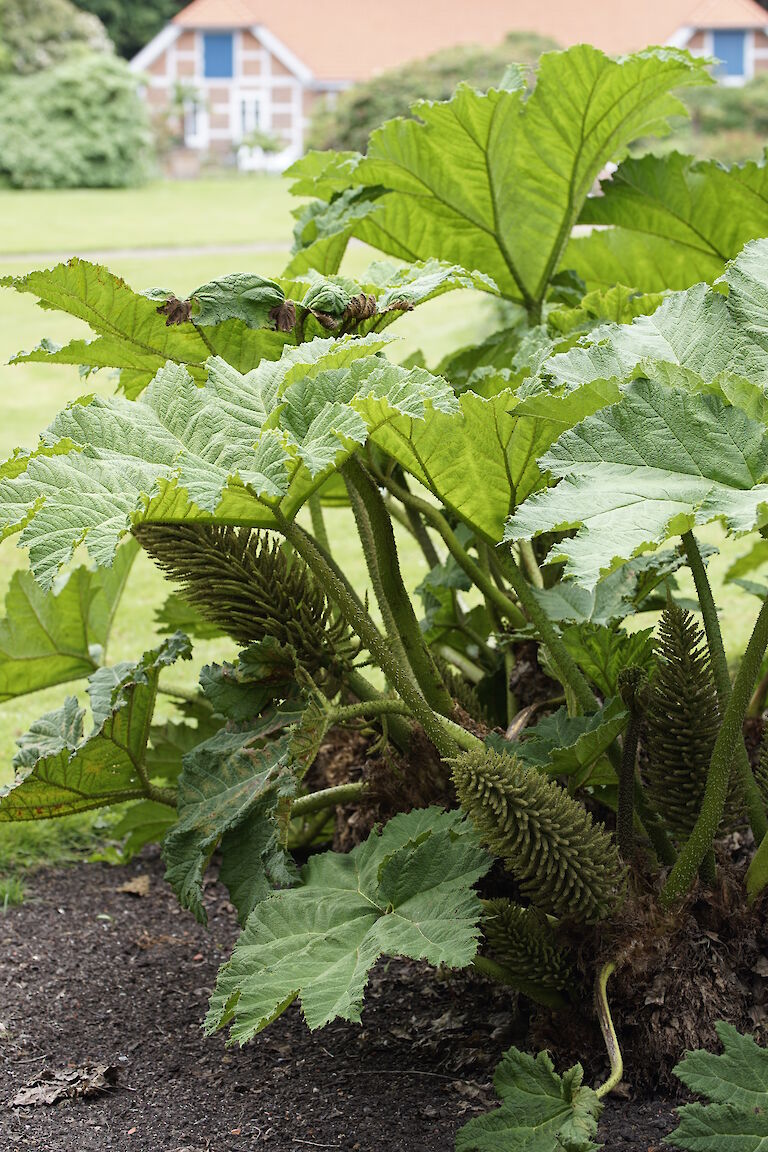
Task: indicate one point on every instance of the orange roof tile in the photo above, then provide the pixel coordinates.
(347, 40)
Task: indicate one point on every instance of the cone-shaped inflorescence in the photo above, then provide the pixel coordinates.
(524, 942)
(682, 721)
(243, 581)
(563, 862)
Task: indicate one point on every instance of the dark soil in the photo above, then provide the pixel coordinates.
(93, 975)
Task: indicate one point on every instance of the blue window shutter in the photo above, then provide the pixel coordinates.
(729, 49)
(218, 55)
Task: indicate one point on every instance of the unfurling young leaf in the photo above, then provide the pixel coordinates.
(540, 1111)
(405, 891)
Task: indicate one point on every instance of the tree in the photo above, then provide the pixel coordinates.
(132, 23)
(35, 34)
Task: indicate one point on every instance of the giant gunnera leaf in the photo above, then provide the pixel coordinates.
(243, 318)
(59, 771)
(653, 465)
(703, 337)
(540, 1111)
(492, 180)
(405, 891)
(735, 1084)
(229, 789)
(48, 638)
(233, 451)
(668, 221)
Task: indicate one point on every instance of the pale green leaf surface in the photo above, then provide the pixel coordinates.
(484, 487)
(540, 1111)
(615, 596)
(230, 451)
(406, 891)
(653, 465)
(708, 334)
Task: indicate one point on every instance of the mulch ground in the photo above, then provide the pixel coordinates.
(89, 974)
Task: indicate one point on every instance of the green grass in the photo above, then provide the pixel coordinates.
(233, 209)
(11, 892)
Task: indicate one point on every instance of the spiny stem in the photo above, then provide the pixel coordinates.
(754, 803)
(436, 727)
(397, 609)
(608, 1030)
(730, 734)
(319, 530)
(367, 709)
(530, 563)
(566, 666)
(435, 517)
(165, 796)
(327, 798)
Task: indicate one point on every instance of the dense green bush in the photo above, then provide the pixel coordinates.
(80, 124)
(35, 34)
(366, 106)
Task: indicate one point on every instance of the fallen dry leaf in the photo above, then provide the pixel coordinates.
(50, 1086)
(138, 886)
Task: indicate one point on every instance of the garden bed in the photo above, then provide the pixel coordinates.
(91, 974)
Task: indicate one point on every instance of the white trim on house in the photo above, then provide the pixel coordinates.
(157, 45)
(680, 38)
(282, 53)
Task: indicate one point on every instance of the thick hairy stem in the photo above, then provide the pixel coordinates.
(754, 803)
(530, 563)
(565, 665)
(730, 734)
(367, 710)
(368, 542)
(608, 1030)
(395, 603)
(625, 831)
(165, 796)
(319, 530)
(436, 727)
(434, 516)
(327, 798)
(399, 730)
(549, 997)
